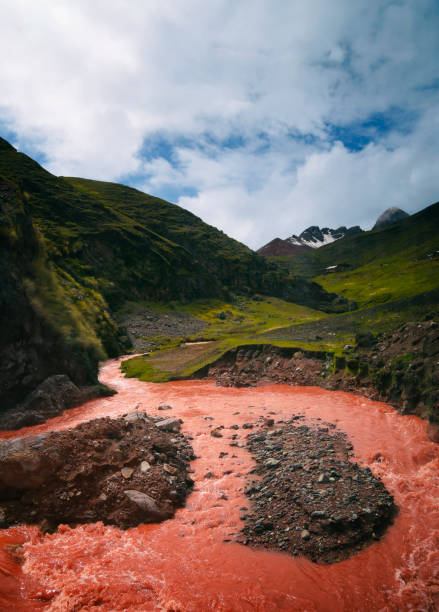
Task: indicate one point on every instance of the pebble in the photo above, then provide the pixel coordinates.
(272, 462)
(144, 466)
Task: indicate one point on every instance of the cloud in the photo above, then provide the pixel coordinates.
(261, 117)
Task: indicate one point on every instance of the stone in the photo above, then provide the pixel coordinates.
(144, 501)
(215, 433)
(131, 418)
(144, 466)
(170, 424)
(271, 462)
(305, 534)
(323, 478)
(164, 407)
(318, 514)
(127, 472)
(170, 468)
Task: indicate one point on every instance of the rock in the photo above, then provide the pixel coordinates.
(215, 433)
(323, 478)
(54, 395)
(305, 534)
(131, 417)
(127, 472)
(164, 407)
(144, 466)
(144, 501)
(271, 462)
(170, 424)
(170, 468)
(318, 514)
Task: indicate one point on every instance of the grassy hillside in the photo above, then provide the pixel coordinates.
(128, 245)
(75, 251)
(392, 274)
(411, 239)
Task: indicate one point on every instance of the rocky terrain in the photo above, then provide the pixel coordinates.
(54, 395)
(400, 367)
(311, 238)
(123, 472)
(307, 497)
(142, 324)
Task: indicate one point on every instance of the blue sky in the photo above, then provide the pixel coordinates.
(260, 116)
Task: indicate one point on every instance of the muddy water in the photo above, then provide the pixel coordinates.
(190, 564)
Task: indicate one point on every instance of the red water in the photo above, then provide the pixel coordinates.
(184, 564)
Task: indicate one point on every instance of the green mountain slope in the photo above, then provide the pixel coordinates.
(74, 250)
(415, 237)
(131, 245)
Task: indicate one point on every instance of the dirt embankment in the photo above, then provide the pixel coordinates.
(401, 367)
(122, 472)
(308, 498)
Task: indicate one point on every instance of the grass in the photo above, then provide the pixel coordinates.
(384, 281)
(244, 320)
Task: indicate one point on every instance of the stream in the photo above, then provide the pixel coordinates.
(190, 563)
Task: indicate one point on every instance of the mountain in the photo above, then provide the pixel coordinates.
(415, 237)
(313, 237)
(281, 247)
(389, 217)
(73, 251)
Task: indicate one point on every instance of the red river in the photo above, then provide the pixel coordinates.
(187, 564)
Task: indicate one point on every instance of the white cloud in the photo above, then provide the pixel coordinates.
(88, 82)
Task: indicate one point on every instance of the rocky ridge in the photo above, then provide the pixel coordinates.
(311, 238)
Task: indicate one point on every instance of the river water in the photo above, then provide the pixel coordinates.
(190, 563)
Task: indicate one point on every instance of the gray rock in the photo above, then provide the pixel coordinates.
(144, 501)
(144, 466)
(132, 417)
(272, 462)
(318, 514)
(170, 424)
(305, 534)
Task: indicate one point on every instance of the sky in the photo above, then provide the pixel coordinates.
(262, 117)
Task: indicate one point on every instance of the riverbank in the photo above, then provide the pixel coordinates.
(400, 367)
